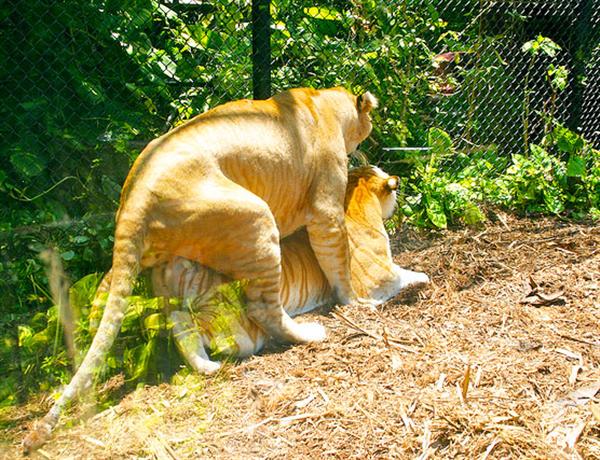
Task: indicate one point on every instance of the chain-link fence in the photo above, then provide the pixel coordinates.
(85, 84)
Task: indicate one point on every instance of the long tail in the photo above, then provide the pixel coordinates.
(126, 258)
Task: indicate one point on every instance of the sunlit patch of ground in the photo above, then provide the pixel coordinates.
(498, 358)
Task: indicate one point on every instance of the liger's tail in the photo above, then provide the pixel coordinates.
(126, 259)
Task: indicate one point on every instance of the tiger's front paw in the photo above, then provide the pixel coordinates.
(368, 303)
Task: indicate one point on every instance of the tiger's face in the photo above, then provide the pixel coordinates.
(385, 189)
(380, 184)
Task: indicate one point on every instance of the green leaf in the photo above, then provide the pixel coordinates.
(34, 104)
(558, 77)
(567, 140)
(83, 291)
(554, 200)
(541, 44)
(154, 323)
(528, 46)
(27, 164)
(68, 255)
(439, 141)
(80, 239)
(328, 14)
(549, 47)
(473, 215)
(576, 166)
(110, 188)
(436, 214)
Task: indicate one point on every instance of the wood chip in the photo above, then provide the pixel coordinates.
(574, 434)
(570, 354)
(304, 402)
(93, 441)
(595, 410)
(465, 383)
(490, 448)
(440, 382)
(574, 373)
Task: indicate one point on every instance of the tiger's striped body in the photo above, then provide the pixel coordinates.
(202, 324)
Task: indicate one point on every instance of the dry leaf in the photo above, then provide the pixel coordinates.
(541, 300)
(528, 345)
(550, 298)
(585, 394)
(537, 298)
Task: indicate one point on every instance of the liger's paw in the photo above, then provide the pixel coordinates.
(410, 278)
(311, 332)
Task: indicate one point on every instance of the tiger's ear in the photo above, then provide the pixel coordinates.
(366, 102)
(392, 183)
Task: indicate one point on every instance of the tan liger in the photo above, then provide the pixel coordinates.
(222, 190)
(202, 324)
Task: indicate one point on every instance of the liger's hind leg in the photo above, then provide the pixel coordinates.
(249, 249)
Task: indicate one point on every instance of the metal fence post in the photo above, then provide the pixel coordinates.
(261, 48)
(581, 56)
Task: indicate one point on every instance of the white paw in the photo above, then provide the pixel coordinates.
(410, 278)
(369, 303)
(205, 366)
(311, 332)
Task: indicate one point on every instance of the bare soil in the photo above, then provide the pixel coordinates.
(498, 358)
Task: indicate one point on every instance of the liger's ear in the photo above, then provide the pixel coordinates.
(392, 183)
(366, 102)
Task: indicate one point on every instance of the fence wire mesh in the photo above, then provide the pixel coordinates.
(86, 84)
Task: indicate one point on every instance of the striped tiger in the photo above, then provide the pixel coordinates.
(214, 318)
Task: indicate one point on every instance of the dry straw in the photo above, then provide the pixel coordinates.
(466, 368)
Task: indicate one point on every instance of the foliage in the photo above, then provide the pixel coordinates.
(94, 81)
(391, 53)
(557, 77)
(437, 197)
(566, 182)
(561, 178)
(143, 351)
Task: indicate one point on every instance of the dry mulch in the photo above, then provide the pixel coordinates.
(498, 358)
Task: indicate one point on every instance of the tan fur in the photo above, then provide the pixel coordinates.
(222, 190)
(303, 286)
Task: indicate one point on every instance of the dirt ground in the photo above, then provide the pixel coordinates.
(498, 358)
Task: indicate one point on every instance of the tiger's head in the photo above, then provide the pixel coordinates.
(370, 199)
(377, 184)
